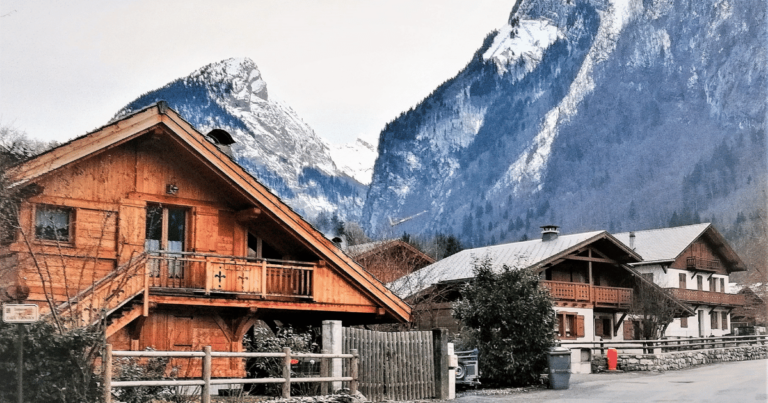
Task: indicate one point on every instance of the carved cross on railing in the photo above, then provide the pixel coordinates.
(220, 277)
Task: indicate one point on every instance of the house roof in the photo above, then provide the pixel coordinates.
(143, 121)
(665, 245)
(527, 254)
(366, 249)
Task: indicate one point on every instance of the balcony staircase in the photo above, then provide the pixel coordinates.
(114, 298)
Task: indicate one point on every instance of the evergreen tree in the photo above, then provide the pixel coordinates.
(510, 319)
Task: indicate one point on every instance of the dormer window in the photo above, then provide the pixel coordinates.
(52, 223)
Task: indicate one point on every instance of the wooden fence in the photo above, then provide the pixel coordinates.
(669, 344)
(206, 381)
(393, 365)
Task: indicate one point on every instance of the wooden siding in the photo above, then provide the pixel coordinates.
(703, 253)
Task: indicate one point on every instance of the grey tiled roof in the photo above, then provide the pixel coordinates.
(663, 244)
(459, 266)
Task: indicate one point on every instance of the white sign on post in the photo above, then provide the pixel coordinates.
(20, 313)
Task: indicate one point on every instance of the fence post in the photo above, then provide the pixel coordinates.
(440, 348)
(205, 394)
(324, 373)
(287, 372)
(107, 361)
(332, 340)
(353, 371)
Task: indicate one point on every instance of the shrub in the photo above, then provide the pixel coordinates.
(510, 319)
(58, 367)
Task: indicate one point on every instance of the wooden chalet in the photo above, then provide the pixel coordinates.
(586, 273)
(693, 263)
(389, 260)
(148, 225)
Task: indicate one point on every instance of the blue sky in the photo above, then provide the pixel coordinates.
(347, 67)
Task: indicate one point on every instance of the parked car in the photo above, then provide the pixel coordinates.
(468, 372)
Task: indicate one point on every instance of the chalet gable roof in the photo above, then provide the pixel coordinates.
(142, 122)
(361, 251)
(665, 245)
(534, 254)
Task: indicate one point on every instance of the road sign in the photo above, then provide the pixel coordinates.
(20, 313)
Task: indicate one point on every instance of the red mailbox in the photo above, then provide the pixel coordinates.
(613, 358)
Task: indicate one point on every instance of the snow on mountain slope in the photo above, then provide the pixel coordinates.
(590, 114)
(355, 159)
(272, 142)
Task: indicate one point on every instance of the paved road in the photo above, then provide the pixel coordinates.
(744, 381)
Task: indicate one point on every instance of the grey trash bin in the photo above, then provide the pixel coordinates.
(559, 359)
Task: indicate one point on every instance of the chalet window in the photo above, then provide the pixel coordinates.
(166, 231)
(53, 223)
(683, 281)
(632, 330)
(603, 328)
(569, 325)
(722, 285)
(724, 320)
(712, 284)
(713, 320)
(699, 283)
(684, 322)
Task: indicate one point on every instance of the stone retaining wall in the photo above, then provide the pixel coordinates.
(681, 359)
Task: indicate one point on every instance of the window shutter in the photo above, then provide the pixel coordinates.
(579, 326)
(725, 320)
(598, 327)
(628, 330)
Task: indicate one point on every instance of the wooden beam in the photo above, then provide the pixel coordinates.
(274, 305)
(243, 325)
(248, 214)
(223, 326)
(601, 254)
(618, 323)
(122, 321)
(591, 259)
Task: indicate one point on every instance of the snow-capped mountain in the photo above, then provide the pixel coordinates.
(355, 159)
(590, 114)
(272, 142)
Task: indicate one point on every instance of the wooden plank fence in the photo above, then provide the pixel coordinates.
(206, 381)
(393, 365)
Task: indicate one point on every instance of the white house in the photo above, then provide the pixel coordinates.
(694, 262)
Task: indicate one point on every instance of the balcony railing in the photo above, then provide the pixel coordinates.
(697, 263)
(580, 292)
(230, 274)
(708, 297)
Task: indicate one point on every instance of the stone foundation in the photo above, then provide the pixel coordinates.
(680, 359)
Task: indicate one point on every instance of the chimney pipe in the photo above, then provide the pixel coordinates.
(632, 240)
(549, 232)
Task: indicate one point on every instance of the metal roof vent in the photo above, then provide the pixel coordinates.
(222, 139)
(549, 232)
(632, 240)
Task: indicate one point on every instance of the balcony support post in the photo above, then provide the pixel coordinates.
(264, 277)
(618, 323)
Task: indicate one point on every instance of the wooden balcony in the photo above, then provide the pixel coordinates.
(707, 297)
(218, 274)
(580, 292)
(699, 264)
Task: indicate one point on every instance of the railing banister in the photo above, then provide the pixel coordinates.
(206, 391)
(287, 372)
(107, 362)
